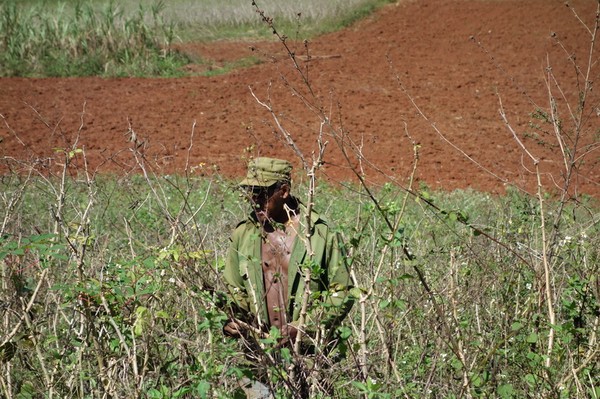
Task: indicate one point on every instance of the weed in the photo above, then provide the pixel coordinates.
(84, 41)
(106, 39)
(145, 305)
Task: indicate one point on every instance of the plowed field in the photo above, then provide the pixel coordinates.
(428, 72)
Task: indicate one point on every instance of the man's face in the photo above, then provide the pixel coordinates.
(268, 203)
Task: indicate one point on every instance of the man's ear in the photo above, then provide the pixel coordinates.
(285, 190)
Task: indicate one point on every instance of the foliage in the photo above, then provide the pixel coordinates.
(85, 38)
(102, 301)
(299, 19)
(82, 41)
(130, 289)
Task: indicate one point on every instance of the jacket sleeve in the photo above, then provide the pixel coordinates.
(233, 277)
(338, 298)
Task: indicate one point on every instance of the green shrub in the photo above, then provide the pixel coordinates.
(130, 288)
(84, 41)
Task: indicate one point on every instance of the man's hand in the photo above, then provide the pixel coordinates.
(291, 332)
(288, 336)
(232, 329)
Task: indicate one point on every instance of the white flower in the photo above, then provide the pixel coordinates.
(565, 241)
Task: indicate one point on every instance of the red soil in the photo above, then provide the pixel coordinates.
(455, 59)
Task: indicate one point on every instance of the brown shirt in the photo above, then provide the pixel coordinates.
(275, 252)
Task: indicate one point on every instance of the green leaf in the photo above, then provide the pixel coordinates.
(286, 355)
(154, 393)
(361, 386)
(400, 304)
(27, 391)
(18, 251)
(345, 332)
(477, 380)
(161, 314)
(75, 152)
(140, 321)
(203, 388)
(532, 338)
(181, 392)
(506, 391)
(531, 379)
(274, 332)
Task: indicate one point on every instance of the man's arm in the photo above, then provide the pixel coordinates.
(235, 287)
(338, 299)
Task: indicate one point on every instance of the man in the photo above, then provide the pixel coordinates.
(268, 258)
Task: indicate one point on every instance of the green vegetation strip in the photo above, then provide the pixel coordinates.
(106, 38)
(115, 286)
(82, 41)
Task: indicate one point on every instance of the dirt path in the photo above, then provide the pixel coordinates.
(454, 59)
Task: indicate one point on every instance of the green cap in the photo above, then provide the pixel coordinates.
(264, 172)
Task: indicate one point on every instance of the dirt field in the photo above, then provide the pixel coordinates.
(454, 59)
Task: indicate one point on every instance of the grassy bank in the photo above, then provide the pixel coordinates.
(135, 39)
(82, 40)
(237, 19)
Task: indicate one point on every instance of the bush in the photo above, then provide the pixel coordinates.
(113, 284)
(82, 41)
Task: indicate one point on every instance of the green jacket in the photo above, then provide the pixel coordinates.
(329, 286)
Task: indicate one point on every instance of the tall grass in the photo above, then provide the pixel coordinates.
(82, 40)
(135, 39)
(212, 19)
